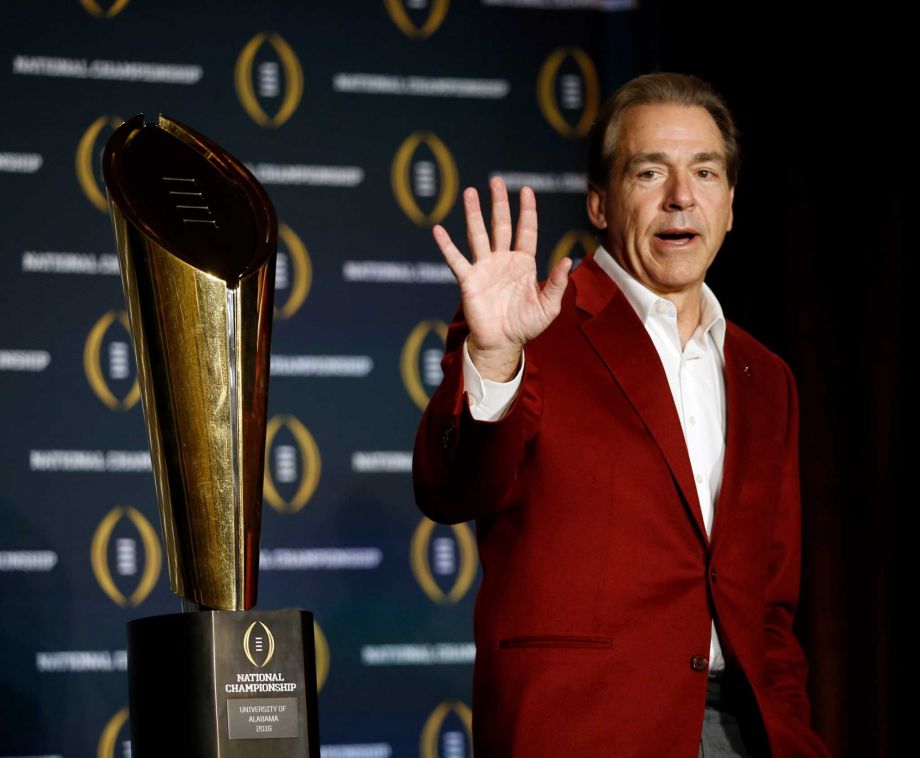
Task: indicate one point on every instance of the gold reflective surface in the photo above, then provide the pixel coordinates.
(201, 332)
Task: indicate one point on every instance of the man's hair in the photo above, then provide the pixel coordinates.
(658, 89)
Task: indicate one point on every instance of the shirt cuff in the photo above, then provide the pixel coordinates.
(488, 400)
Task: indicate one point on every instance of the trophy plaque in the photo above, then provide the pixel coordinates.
(196, 236)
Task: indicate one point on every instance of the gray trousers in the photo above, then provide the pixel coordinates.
(731, 728)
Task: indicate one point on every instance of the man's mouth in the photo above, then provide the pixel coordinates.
(677, 236)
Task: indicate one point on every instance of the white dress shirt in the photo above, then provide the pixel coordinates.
(695, 376)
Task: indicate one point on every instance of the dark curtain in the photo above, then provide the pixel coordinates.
(814, 267)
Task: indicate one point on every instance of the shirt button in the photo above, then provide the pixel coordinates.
(699, 663)
(699, 478)
(693, 421)
(661, 307)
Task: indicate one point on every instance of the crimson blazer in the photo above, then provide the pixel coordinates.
(592, 622)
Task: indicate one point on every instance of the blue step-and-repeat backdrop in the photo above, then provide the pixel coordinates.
(364, 121)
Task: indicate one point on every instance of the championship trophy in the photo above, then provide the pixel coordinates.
(196, 236)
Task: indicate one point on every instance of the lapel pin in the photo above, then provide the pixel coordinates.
(747, 370)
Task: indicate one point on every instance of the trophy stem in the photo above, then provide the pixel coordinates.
(190, 606)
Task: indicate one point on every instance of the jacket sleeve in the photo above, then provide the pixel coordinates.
(786, 667)
(462, 468)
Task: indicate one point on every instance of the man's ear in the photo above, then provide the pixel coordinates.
(731, 209)
(595, 205)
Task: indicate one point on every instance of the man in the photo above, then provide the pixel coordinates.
(633, 471)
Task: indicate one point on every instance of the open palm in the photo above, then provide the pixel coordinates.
(503, 304)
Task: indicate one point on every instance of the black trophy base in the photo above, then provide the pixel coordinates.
(223, 684)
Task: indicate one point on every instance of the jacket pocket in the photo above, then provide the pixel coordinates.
(556, 641)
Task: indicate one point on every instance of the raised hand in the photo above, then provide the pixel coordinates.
(503, 304)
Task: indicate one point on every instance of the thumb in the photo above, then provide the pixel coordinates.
(556, 284)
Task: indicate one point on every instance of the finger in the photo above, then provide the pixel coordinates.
(501, 215)
(475, 226)
(551, 295)
(526, 239)
(452, 256)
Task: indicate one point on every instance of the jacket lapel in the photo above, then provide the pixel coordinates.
(742, 410)
(623, 344)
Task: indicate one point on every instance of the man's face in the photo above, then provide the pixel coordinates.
(667, 205)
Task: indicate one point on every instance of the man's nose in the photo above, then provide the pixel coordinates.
(679, 192)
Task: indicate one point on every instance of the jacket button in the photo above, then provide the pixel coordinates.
(712, 575)
(699, 663)
(448, 435)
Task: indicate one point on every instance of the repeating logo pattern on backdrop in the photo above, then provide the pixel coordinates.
(323, 661)
(97, 9)
(89, 159)
(448, 731)
(108, 361)
(115, 735)
(420, 360)
(125, 556)
(417, 18)
(293, 273)
(443, 560)
(268, 79)
(292, 464)
(576, 244)
(568, 91)
(394, 90)
(424, 178)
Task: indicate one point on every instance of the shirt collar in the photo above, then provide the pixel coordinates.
(644, 301)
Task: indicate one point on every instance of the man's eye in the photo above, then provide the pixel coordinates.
(647, 174)
(705, 173)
